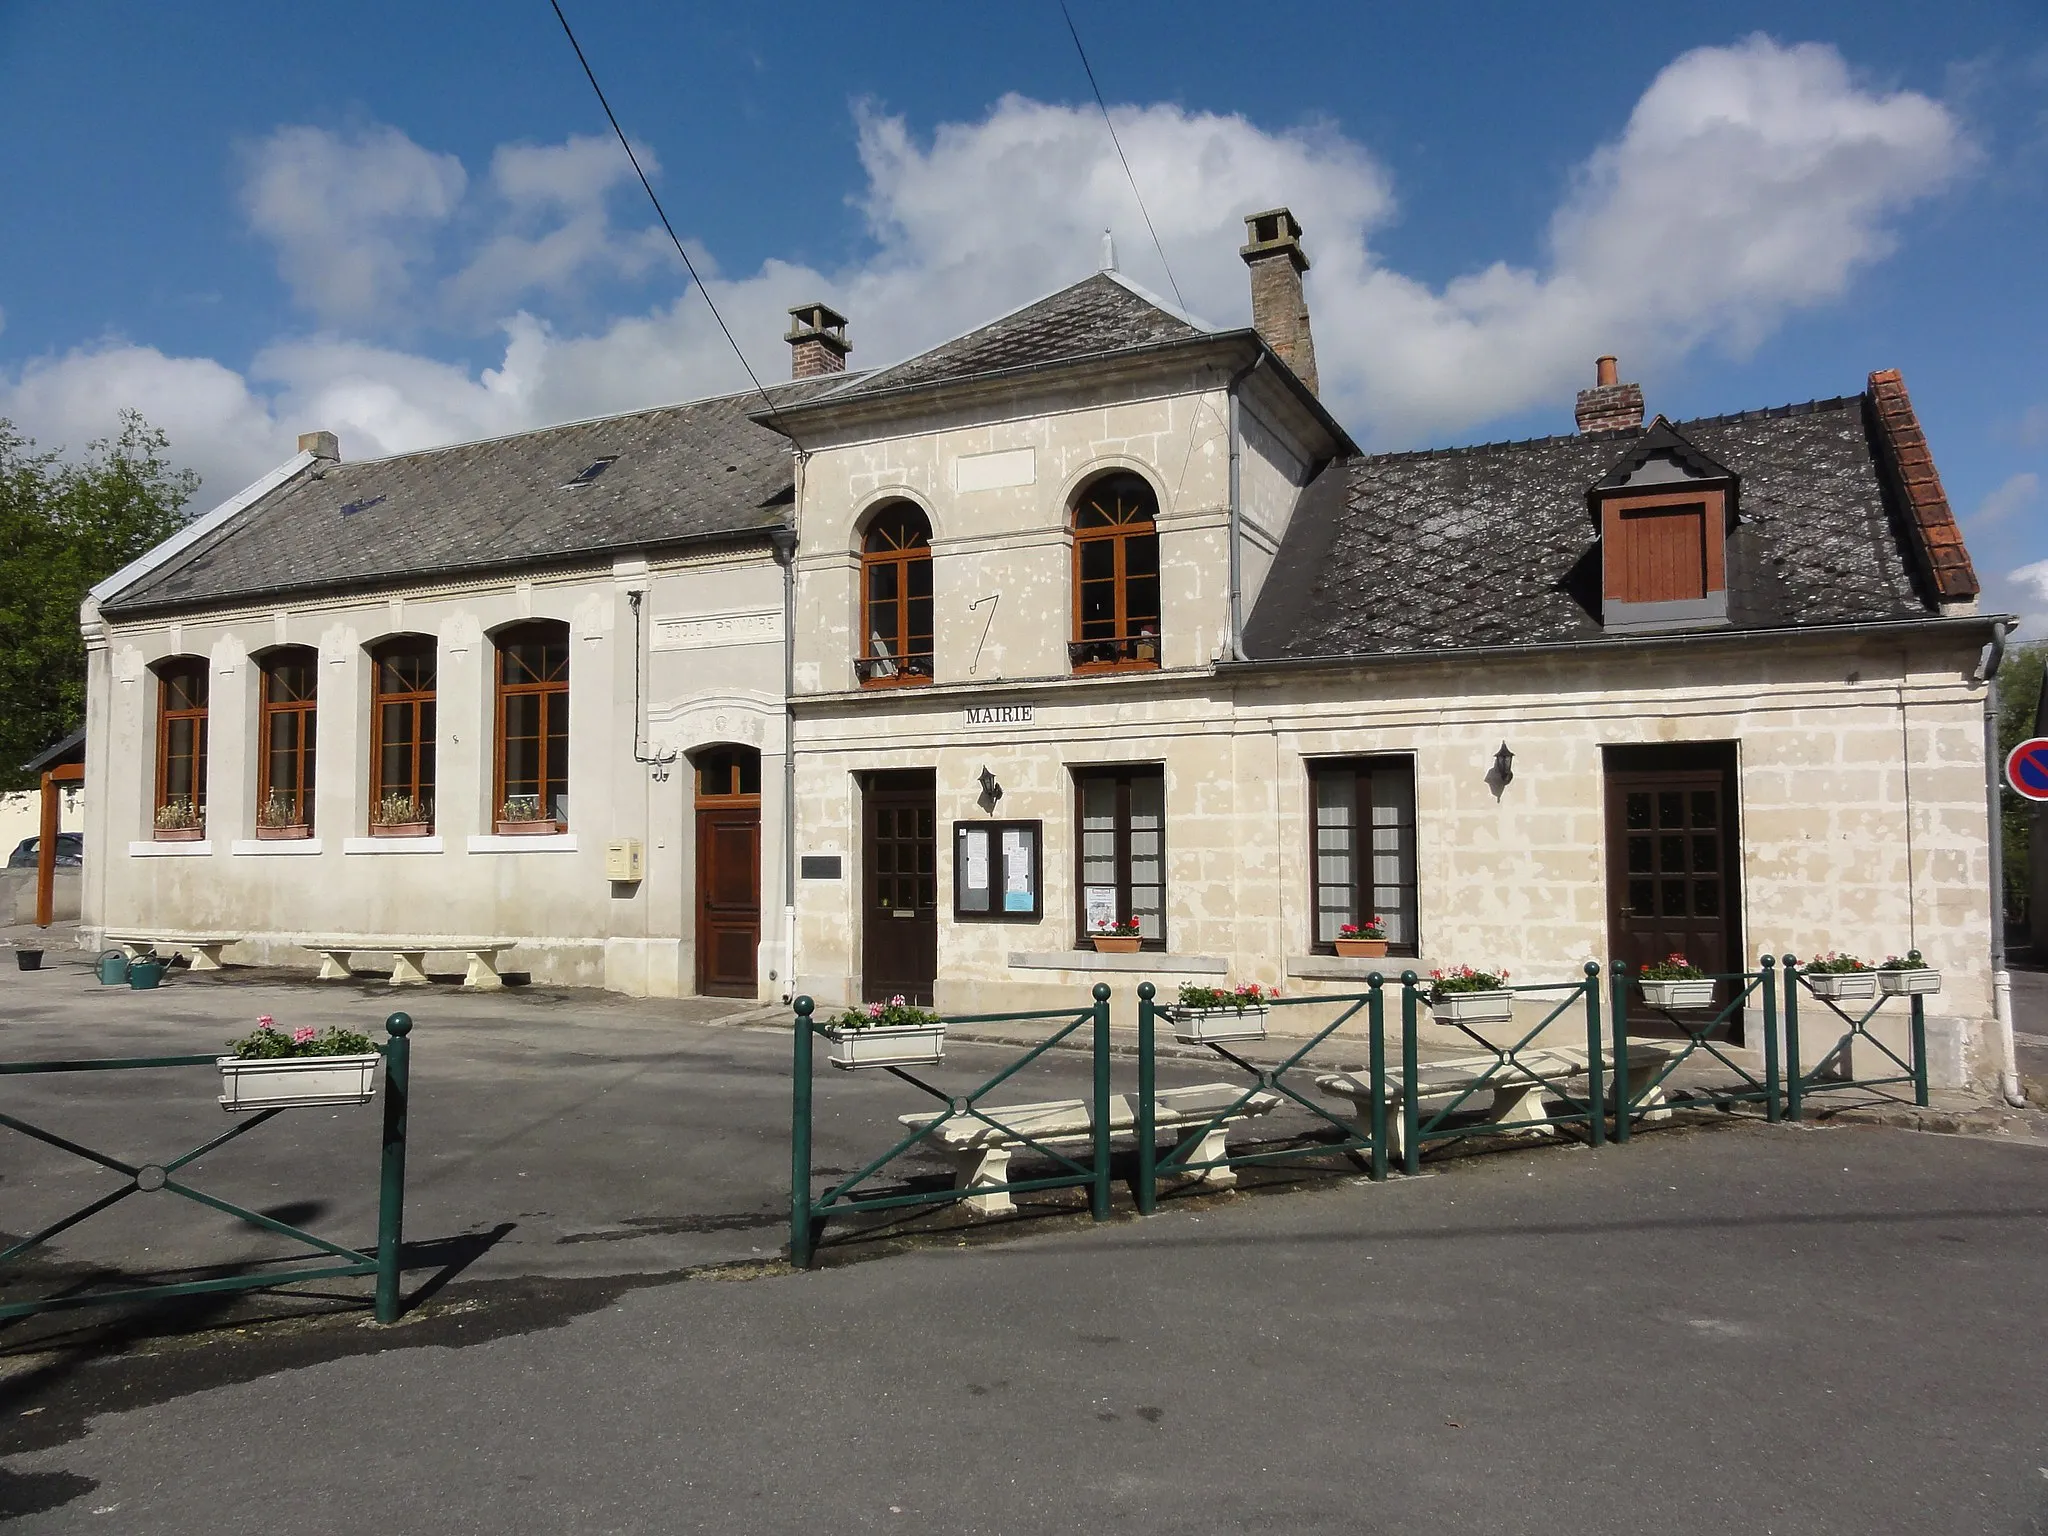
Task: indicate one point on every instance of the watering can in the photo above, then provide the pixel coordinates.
(112, 967)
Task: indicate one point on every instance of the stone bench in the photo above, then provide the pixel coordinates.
(409, 956)
(201, 950)
(1518, 1086)
(980, 1152)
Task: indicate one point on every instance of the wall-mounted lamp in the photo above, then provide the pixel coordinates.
(991, 791)
(1503, 767)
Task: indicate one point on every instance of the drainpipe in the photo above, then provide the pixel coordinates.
(1237, 510)
(2001, 979)
(784, 543)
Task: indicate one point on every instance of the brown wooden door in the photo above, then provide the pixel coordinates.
(728, 899)
(1672, 862)
(899, 887)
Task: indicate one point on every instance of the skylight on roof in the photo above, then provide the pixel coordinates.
(353, 507)
(597, 468)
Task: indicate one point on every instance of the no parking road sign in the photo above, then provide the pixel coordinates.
(2026, 768)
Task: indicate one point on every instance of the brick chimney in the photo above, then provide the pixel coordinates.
(817, 341)
(1608, 405)
(1272, 249)
(322, 445)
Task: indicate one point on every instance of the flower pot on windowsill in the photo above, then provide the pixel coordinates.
(287, 1082)
(1474, 1007)
(1361, 949)
(282, 834)
(1199, 1026)
(179, 834)
(1841, 985)
(529, 828)
(894, 1045)
(408, 829)
(1690, 992)
(1917, 982)
(1117, 943)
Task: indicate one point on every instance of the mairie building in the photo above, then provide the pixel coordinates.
(912, 681)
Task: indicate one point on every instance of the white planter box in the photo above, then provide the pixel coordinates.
(1909, 983)
(1841, 985)
(1199, 1026)
(899, 1045)
(1679, 994)
(1474, 1007)
(291, 1081)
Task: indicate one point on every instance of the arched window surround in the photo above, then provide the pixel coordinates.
(178, 806)
(404, 699)
(530, 790)
(287, 725)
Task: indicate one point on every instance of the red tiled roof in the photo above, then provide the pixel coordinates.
(1934, 525)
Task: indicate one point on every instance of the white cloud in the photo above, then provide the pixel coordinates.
(2015, 494)
(351, 214)
(1749, 181)
(2034, 578)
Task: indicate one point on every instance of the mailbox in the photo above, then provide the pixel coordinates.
(623, 859)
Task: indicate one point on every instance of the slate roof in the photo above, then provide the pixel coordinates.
(1102, 313)
(1493, 545)
(683, 473)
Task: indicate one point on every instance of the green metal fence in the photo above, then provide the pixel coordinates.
(1363, 1136)
(1847, 1033)
(1519, 1070)
(149, 1178)
(808, 1211)
(1647, 1092)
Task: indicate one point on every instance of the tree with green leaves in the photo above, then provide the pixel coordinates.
(63, 527)
(2019, 696)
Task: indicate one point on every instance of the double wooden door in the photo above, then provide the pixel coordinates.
(899, 887)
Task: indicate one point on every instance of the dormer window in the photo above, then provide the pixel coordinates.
(1663, 516)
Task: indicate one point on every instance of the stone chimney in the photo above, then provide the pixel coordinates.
(1608, 405)
(817, 341)
(322, 445)
(1272, 249)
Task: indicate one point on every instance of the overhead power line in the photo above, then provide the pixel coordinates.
(709, 303)
(1075, 33)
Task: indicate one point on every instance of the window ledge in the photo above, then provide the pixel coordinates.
(1142, 961)
(265, 847)
(1342, 968)
(155, 850)
(395, 844)
(489, 842)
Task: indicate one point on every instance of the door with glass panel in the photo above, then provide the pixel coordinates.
(1122, 853)
(899, 887)
(1672, 858)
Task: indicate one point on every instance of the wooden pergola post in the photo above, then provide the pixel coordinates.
(46, 844)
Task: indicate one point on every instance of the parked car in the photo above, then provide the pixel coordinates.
(70, 851)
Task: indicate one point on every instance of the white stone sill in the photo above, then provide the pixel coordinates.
(392, 844)
(1340, 968)
(1144, 960)
(490, 842)
(155, 850)
(263, 848)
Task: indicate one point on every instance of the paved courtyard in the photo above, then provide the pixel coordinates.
(1731, 1326)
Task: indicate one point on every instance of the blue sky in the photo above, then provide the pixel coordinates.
(405, 224)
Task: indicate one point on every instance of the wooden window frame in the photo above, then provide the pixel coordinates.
(1362, 883)
(305, 754)
(165, 715)
(1129, 650)
(553, 694)
(902, 667)
(735, 793)
(1123, 778)
(1614, 537)
(417, 701)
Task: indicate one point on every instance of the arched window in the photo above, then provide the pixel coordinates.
(533, 727)
(284, 768)
(1116, 576)
(402, 736)
(181, 747)
(896, 598)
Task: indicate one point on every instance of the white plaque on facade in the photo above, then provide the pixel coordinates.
(996, 471)
(1000, 714)
(753, 627)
